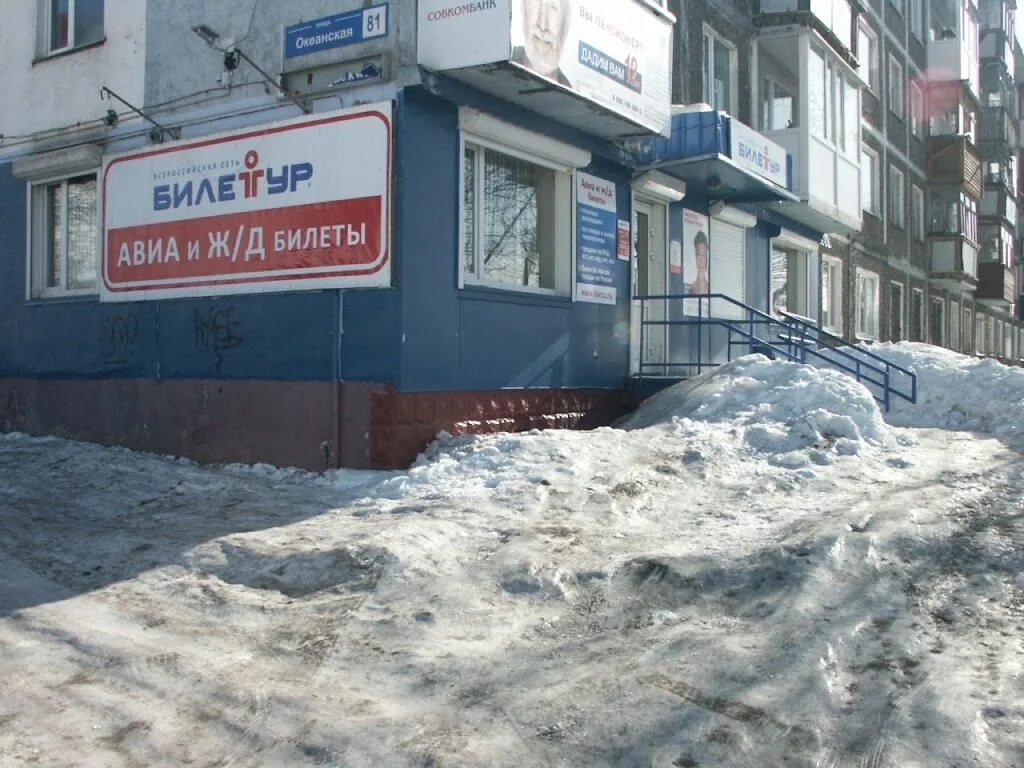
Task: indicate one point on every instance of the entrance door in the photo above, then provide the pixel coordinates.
(650, 278)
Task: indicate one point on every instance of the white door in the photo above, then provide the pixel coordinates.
(650, 278)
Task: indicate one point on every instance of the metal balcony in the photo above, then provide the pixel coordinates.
(996, 286)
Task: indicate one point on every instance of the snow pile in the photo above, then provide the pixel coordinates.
(959, 392)
(782, 408)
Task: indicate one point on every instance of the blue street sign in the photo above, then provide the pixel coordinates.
(335, 31)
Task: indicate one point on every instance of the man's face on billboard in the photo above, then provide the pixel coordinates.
(545, 23)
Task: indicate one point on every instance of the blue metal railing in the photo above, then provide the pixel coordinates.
(796, 339)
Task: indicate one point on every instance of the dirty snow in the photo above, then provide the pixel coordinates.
(753, 570)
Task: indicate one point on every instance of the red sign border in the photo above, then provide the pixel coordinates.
(386, 239)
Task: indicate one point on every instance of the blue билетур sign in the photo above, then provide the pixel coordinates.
(335, 31)
(596, 240)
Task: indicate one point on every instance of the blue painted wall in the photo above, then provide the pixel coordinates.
(424, 334)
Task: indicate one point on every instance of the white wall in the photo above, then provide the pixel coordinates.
(64, 90)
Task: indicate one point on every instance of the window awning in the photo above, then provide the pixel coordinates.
(720, 158)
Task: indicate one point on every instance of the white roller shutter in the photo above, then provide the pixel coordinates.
(728, 259)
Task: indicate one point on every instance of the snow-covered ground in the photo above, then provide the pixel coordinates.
(756, 569)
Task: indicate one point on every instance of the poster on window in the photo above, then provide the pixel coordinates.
(596, 240)
(696, 260)
(275, 208)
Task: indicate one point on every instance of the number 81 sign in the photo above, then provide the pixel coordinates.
(336, 31)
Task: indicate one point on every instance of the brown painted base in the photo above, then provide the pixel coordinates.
(316, 425)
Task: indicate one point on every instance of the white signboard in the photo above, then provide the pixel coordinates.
(297, 205)
(753, 152)
(616, 53)
(452, 34)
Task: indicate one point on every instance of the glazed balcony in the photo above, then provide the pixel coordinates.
(952, 47)
(998, 206)
(832, 19)
(953, 263)
(998, 131)
(996, 285)
(996, 44)
(953, 160)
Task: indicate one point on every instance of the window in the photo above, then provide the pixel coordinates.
(831, 295)
(516, 218)
(898, 5)
(778, 106)
(719, 72)
(869, 192)
(916, 18)
(64, 239)
(897, 203)
(895, 311)
(73, 23)
(916, 315)
(937, 324)
(895, 87)
(867, 56)
(954, 325)
(916, 110)
(968, 331)
(917, 212)
(867, 304)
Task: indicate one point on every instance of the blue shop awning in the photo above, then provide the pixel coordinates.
(720, 158)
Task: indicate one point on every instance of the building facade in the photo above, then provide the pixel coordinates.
(317, 233)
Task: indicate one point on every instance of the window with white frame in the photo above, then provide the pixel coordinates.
(867, 55)
(779, 106)
(937, 321)
(64, 237)
(916, 110)
(719, 72)
(831, 295)
(967, 336)
(516, 222)
(895, 91)
(897, 201)
(916, 315)
(72, 23)
(867, 304)
(895, 311)
(954, 325)
(870, 193)
(917, 212)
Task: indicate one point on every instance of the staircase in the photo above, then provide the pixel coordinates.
(680, 338)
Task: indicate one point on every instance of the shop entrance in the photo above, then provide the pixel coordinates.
(650, 278)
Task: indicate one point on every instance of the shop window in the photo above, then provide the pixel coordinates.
(64, 241)
(897, 202)
(719, 72)
(916, 315)
(870, 193)
(789, 281)
(895, 311)
(895, 92)
(867, 304)
(867, 56)
(917, 212)
(73, 23)
(831, 295)
(516, 217)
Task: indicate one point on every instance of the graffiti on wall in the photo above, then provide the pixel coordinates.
(119, 332)
(217, 330)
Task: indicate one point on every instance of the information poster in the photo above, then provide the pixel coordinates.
(696, 259)
(596, 240)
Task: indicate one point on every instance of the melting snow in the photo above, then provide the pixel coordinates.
(755, 569)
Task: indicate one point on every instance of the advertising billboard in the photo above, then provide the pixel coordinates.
(614, 53)
(298, 205)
